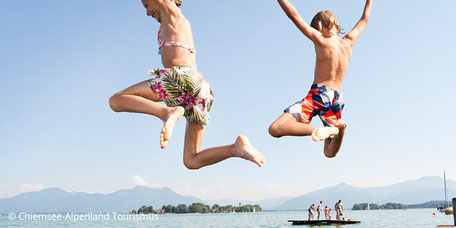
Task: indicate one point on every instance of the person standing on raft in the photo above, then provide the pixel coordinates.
(311, 214)
(182, 88)
(319, 209)
(339, 209)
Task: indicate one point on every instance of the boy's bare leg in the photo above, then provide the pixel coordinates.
(140, 98)
(287, 124)
(332, 146)
(195, 159)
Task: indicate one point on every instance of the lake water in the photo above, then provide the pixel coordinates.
(382, 218)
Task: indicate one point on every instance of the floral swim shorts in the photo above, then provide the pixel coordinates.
(184, 86)
(322, 101)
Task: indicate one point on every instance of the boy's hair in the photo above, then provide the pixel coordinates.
(326, 19)
(178, 3)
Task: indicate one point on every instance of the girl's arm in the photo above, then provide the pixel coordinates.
(293, 14)
(356, 32)
(167, 6)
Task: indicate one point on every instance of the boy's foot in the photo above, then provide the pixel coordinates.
(342, 125)
(174, 114)
(322, 133)
(243, 149)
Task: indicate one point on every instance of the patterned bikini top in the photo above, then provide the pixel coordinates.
(162, 43)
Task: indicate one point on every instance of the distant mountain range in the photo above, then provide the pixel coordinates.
(57, 200)
(409, 192)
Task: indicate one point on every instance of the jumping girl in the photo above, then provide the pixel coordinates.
(182, 88)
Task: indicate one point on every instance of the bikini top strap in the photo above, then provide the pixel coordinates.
(162, 43)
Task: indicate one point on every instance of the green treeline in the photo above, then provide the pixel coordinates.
(197, 208)
(373, 206)
(429, 204)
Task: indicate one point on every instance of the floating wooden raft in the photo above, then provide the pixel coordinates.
(323, 222)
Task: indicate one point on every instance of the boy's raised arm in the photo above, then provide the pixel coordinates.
(293, 14)
(356, 32)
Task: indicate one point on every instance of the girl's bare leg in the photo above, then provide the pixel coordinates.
(195, 159)
(140, 98)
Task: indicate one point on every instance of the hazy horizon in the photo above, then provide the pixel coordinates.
(145, 184)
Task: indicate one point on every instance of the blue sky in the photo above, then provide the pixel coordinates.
(62, 60)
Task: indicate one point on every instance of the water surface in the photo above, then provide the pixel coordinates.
(382, 218)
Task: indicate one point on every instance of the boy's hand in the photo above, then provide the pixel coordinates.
(356, 32)
(293, 14)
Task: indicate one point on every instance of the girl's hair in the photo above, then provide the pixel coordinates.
(178, 3)
(326, 19)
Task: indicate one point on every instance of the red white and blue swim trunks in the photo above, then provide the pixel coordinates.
(322, 101)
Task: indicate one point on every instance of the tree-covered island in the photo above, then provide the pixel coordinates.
(197, 208)
(373, 206)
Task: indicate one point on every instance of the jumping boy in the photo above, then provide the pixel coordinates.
(324, 98)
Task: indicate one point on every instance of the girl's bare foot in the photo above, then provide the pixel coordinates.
(174, 114)
(322, 133)
(243, 149)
